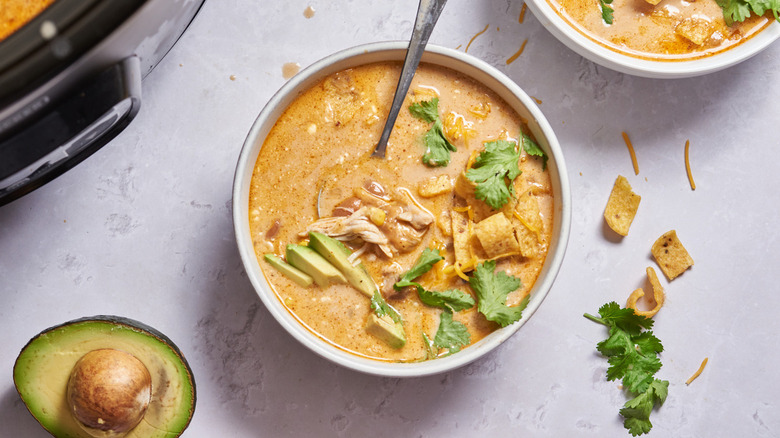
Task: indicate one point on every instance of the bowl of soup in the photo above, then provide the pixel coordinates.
(656, 38)
(423, 260)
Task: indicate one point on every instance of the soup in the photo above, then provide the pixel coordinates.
(670, 30)
(314, 176)
(16, 13)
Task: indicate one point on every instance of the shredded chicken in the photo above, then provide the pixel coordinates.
(347, 228)
(401, 228)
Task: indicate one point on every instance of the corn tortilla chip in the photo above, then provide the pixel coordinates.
(497, 236)
(461, 234)
(658, 295)
(621, 206)
(671, 255)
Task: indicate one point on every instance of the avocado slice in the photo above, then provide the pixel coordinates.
(289, 270)
(386, 329)
(310, 262)
(338, 255)
(42, 375)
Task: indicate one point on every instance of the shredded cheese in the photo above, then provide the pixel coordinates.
(460, 272)
(688, 165)
(475, 37)
(518, 53)
(631, 151)
(467, 209)
(698, 372)
(522, 13)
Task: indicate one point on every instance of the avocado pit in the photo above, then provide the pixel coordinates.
(108, 392)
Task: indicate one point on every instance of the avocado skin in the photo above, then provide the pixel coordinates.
(338, 255)
(127, 323)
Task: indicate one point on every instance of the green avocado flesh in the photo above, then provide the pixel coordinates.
(43, 368)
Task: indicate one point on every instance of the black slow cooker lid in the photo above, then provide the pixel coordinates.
(56, 37)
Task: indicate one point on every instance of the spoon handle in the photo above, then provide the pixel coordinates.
(427, 14)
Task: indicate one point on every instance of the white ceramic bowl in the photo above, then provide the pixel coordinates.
(586, 47)
(395, 51)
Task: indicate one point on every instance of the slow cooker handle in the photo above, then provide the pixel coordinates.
(88, 118)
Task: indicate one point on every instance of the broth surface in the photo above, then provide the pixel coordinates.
(320, 148)
(16, 13)
(643, 30)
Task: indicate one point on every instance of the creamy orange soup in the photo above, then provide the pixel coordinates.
(315, 165)
(670, 30)
(16, 13)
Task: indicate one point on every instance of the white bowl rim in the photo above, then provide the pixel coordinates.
(247, 158)
(660, 69)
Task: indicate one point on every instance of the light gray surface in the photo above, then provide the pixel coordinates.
(143, 229)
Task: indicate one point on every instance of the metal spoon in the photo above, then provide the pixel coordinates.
(427, 14)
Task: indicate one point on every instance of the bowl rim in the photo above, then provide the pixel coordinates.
(394, 51)
(658, 69)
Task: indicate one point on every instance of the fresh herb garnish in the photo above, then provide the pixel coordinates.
(438, 148)
(424, 263)
(606, 11)
(632, 355)
(451, 334)
(739, 10)
(454, 300)
(492, 289)
(381, 308)
(531, 148)
(493, 172)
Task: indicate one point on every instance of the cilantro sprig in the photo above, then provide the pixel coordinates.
(438, 148)
(533, 149)
(493, 172)
(492, 289)
(632, 352)
(453, 300)
(739, 10)
(451, 334)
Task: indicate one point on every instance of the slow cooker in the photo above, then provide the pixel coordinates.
(70, 81)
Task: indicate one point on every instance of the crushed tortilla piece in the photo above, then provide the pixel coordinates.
(698, 372)
(621, 206)
(434, 186)
(658, 296)
(695, 29)
(497, 236)
(671, 255)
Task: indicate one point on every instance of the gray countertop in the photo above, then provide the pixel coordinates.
(143, 229)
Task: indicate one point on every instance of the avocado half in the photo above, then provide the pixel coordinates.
(43, 370)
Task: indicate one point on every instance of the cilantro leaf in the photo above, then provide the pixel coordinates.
(493, 172)
(453, 299)
(424, 263)
(492, 289)
(636, 412)
(381, 308)
(632, 353)
(532, 148)
(438, 148)
(738, 10)
(451, 334)
(606, 11)
(427, 110)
